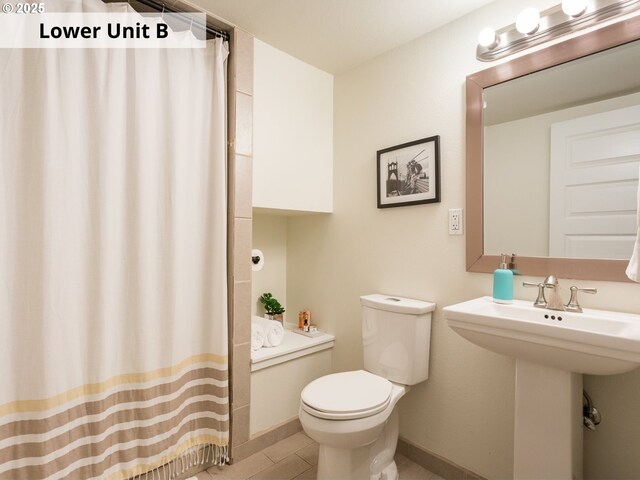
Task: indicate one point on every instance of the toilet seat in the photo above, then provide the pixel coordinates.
(346, 395)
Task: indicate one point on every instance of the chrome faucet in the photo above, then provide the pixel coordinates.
(541, 301)
(573, 305)
(555, 300)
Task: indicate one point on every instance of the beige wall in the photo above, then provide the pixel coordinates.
(270, 236)
(464, 412)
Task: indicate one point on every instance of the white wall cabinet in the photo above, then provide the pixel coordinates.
(293, 133)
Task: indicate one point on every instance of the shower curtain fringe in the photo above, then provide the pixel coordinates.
(208, 454)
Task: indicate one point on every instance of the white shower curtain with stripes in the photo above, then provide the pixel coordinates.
(113, 301)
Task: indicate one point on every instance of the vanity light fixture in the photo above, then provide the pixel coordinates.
(574, 8)
(533, 28)
(528, 21)
(487, 38)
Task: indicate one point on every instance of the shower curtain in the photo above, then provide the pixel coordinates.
(113, 300)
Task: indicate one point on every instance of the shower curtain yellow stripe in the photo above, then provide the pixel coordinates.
(22, 406)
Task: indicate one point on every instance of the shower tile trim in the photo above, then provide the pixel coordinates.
(240, 163)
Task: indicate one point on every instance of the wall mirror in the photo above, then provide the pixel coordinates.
(553, 147)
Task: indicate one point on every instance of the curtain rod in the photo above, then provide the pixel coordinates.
(159, 6)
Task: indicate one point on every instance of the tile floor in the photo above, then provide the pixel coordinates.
(295, 457)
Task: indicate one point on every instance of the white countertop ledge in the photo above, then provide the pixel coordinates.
(293, 346)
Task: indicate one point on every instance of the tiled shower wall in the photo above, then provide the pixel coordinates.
(239, 232)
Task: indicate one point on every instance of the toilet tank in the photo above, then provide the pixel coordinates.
(396, 335)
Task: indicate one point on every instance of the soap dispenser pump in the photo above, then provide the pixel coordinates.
(503, 282)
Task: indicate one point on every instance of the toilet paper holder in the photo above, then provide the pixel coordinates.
(257, 260)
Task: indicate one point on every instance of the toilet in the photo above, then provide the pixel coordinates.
(352, 415)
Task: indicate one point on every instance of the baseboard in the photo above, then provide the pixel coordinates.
(265, 439)
(435, 463)
(431, 461)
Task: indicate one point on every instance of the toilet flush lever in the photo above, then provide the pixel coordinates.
(573, 305)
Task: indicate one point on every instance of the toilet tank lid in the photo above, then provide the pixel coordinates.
(392, 303)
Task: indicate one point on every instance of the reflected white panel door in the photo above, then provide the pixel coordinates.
(593, 185)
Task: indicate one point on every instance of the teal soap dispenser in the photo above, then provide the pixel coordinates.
(503, 282)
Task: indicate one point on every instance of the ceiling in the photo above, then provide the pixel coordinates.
(336, 35)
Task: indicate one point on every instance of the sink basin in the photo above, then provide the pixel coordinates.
(552, 349)
(594, 342)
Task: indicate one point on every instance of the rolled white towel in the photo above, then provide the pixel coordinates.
(633, 269)
(273, 331)
(257, 336)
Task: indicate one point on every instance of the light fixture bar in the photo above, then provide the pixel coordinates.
(553, 23)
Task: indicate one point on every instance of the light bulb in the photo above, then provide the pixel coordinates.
(528, 21)
(487, 38)
(574, 8)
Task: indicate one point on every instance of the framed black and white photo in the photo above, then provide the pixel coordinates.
(409, 174)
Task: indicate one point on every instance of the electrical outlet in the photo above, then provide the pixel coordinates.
(455, 221)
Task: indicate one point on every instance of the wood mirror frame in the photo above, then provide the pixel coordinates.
(586, 269)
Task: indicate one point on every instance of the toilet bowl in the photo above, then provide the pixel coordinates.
(352, 415)
(356, 426)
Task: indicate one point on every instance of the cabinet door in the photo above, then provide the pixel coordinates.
(293, 133)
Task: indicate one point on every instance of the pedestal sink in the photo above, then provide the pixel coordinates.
(552, 349)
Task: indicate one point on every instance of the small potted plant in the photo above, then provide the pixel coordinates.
(273, 309)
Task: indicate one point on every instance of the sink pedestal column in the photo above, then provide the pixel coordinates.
(548, 423)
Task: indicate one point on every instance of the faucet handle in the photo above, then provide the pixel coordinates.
(573, 305)
(540, 302)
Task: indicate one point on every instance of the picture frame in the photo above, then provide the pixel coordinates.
(409, 174)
